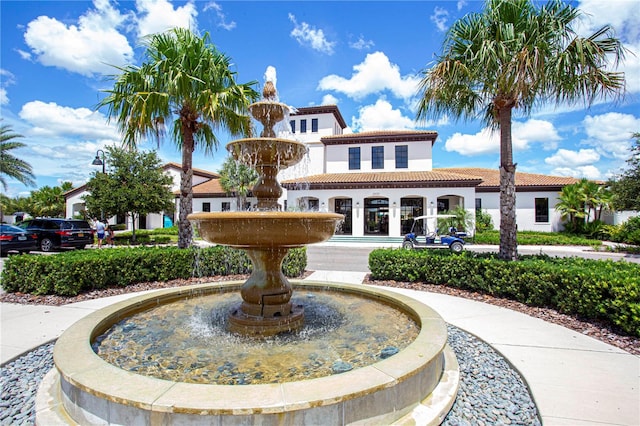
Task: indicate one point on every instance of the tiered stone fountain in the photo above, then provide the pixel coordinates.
(266, 233)
(417, 385)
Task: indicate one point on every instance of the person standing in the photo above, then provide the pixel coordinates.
(100, 227)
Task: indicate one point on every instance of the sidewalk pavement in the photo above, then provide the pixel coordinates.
(574, 379)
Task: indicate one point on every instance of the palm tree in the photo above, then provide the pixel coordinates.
(513, 55)
(186, 83)
(10, 165)
(237, 178)
(571, 206)
(49, 201)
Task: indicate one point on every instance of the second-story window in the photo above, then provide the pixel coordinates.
(354, 158)
(402, 156)
(377, 157)
(292, 123)
(206, 207)
(314, 125)
(303, 126)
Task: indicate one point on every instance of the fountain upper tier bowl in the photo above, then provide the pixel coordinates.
(267, 151)
(265, 228)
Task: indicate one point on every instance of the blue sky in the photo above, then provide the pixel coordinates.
(366, 57)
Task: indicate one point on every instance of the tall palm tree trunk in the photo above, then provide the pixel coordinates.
(185, 232)
(508, 230)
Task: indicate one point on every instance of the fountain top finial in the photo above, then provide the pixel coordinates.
(269, 91)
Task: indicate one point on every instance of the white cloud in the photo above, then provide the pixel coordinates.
(610, 133)
(375, 74)
(524, 135)
(50, 120)
(532, 131)
(157, 16)
(440, 17)
(6, 79)
(589, 172)
(87, 48)
(307, 35)
(222, 18)
(361, 44)
(623, 17)
(380, 116)
(329, 99)
(569, 158)
(483, 142)
(461, 4)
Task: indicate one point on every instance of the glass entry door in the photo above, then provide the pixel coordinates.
(376, 216)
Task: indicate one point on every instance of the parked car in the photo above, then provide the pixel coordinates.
(17, 239)
(424, 234)
(59, 233)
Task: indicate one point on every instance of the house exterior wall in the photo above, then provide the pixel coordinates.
(525, 210)
(337, 157)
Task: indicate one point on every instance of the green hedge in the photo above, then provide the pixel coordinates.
(74, 272)
(592, 289)
(534, 238)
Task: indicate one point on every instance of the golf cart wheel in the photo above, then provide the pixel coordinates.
(456, 247)
(407, 245)
(46, 244)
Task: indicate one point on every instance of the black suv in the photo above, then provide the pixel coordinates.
(58, 233)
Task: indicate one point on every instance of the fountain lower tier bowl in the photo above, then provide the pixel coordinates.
(265, 229)
(415, 386)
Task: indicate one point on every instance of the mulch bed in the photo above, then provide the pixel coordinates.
(594, 329)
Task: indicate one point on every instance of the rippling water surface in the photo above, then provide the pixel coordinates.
(187, 341)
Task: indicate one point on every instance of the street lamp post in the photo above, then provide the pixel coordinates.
(99, 162)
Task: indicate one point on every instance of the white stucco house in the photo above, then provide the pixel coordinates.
(378, 180)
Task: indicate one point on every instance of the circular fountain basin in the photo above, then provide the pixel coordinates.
(265, 228)
(416, 385)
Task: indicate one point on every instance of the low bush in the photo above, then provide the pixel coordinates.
(534, 238)
(74, 272)
(592, 289)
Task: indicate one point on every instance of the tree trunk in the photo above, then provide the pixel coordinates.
(185, 232)
(133, 228)
(508, 228)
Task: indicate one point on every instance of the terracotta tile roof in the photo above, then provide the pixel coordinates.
(384, 179)
(491, 178)
(196, 171)
(380, 136)
(210, 188)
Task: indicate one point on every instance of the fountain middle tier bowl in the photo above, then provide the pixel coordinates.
(265, 228)
(267, 151)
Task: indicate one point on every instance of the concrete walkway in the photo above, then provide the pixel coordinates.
(574, 379)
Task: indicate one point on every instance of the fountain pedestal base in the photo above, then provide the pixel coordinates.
(242, 323)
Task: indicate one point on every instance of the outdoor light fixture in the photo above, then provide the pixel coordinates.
(99, 162)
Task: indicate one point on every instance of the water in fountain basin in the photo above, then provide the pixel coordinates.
(187, 341)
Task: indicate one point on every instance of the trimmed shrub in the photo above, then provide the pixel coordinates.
(592, 289)
(74, 272)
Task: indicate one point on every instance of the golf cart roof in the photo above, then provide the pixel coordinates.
(439, 216)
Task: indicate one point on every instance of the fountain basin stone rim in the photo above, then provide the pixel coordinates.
(84, 372)
(265, 228)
